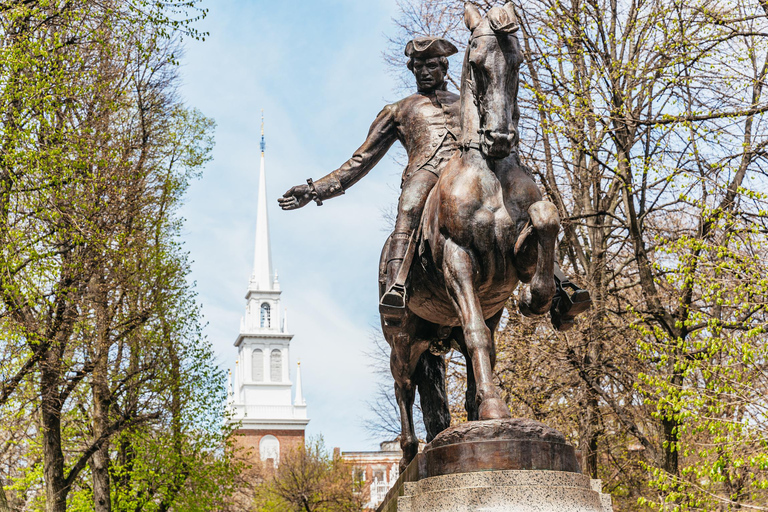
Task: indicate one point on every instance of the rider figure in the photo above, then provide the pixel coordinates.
(427, 125)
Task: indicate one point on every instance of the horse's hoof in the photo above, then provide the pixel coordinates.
(528, 308)
(494, 409)
(406, 460)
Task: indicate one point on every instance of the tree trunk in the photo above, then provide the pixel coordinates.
(50, 416)
(592, 434)
(101, 402)
(3, 499)
(181, 470)
(100, 460)
(100, 468)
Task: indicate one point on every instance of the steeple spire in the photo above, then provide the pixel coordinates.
(262, 264)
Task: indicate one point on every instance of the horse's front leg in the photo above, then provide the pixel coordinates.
(545, 222)
(459, 271)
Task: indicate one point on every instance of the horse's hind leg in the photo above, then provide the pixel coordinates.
(405, 354)
(470, 400)
(405, 391)
(458, 271)
(430, 379)
(546, 225)
(409, 443)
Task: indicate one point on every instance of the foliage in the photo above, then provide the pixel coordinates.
(110, 396)
(308, 479)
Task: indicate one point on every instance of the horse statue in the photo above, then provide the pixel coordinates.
(484, 229)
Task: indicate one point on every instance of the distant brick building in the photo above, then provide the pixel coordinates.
(377, 470)
(260, 400)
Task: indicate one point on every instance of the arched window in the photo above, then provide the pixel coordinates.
(257, 366)
(276, 366)
(269, 448)
(265, 314)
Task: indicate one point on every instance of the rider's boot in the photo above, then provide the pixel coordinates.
(394, 298)
(565, 306)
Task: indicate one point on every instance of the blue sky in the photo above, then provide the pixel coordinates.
(316, 68)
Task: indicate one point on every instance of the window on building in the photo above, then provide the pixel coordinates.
(276, 366)
(257, 366)
(265, 315)
(269, 448)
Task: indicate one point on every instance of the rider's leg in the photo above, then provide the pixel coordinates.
(412, 199)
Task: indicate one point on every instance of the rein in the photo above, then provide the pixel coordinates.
(474, 143)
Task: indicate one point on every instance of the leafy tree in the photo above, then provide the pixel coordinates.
(308, 479)
(106, 381)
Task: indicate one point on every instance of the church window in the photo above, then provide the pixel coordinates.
(276, 366)
(269, 448)
(265, 315)
(257, 366)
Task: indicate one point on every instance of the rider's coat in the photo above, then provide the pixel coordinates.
(426, 124)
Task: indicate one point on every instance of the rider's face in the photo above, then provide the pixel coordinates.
(429, 73)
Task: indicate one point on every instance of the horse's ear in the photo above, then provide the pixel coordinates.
(503, 19)
(472, 16)
(510, 8)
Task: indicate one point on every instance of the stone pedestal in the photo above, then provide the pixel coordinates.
(511, 465)
(505, 491)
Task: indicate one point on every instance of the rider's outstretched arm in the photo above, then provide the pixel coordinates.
(381, 136)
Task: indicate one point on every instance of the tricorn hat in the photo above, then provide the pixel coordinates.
(427, 47)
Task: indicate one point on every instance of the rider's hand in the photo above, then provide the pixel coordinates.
(296, 197)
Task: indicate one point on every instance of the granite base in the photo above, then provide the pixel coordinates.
(505, 491)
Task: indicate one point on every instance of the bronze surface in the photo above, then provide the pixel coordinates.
(512, 444)
(516, 454)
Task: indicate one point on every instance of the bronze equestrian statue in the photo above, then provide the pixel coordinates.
(447, 274)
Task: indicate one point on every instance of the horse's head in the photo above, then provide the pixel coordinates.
(491, 74)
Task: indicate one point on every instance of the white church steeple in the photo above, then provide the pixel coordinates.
(261, 399)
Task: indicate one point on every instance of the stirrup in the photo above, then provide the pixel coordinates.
(392, 303)
(395, 297)
(566, 307)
